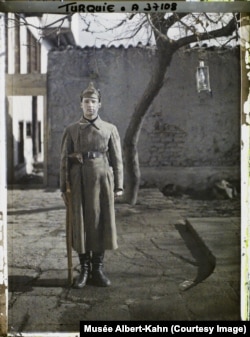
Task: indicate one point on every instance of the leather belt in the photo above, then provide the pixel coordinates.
(92, 155)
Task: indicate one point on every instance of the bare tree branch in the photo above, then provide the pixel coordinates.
(26, 23)
(224, 31)
(157, 31)
(171, 20)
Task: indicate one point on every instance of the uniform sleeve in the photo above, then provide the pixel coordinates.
(66, 146)
(115, 156)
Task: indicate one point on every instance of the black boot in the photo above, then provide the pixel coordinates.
(98, 277)
(82, 279)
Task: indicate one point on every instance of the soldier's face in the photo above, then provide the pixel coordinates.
(90, 107)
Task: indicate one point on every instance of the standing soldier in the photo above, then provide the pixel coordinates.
(91, 163)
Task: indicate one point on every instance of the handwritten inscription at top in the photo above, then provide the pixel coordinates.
(108, 7)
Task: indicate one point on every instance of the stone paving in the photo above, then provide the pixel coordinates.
(178, 259)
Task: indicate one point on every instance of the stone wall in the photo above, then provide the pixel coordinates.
(183, 131)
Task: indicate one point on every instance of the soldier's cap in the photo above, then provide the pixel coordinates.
(91, 92)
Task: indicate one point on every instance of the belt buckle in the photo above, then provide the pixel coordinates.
(91, 155)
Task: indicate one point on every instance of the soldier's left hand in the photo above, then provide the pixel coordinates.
(118, 193)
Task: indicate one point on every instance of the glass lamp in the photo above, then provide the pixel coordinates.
(202, 77)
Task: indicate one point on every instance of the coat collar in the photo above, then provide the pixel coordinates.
(84, 123)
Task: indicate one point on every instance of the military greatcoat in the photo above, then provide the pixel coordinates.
(92, 182)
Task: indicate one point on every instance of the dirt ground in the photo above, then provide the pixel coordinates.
(189, 203)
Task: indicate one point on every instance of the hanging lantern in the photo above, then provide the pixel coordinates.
(202, 78)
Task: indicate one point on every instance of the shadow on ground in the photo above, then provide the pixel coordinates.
(204, 259)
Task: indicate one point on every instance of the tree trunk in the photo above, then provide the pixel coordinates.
(132, 168)
(166, 49)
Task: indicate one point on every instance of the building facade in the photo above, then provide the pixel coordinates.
(27, 46)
